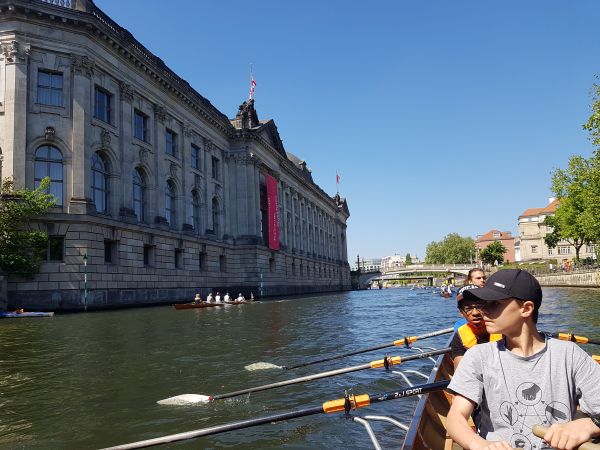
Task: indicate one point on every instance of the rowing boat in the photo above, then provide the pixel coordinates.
(427, 429)
(19, 315)
(196, 305)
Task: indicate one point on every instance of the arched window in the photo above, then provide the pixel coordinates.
(170, 203)
(99, 183)
(196, 211)
(138, 194)
(216, 216)
(49, 163)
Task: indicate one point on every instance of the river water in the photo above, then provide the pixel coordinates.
(85, 381)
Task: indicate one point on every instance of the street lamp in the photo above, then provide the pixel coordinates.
(85, 260)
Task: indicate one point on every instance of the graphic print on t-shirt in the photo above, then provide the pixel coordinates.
(528, 410)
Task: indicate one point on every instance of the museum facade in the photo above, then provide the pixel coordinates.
(159, 195)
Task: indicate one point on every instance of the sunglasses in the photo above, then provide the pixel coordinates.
(482, 307)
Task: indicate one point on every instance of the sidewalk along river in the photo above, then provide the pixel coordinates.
(92, 380)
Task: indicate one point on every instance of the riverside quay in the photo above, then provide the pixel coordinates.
(159, 195)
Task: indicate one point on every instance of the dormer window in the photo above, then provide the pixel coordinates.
(497, 234)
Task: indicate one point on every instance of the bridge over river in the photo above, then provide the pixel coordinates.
(415, 272)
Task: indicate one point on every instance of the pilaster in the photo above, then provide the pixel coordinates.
(82, 69)
(16, 61)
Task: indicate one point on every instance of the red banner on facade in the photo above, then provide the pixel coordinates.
(273, 212)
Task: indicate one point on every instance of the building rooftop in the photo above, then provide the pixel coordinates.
(549, 209)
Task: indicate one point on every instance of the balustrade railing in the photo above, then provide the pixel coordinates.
(64, 3)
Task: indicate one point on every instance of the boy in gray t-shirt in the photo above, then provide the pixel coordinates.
(523, 380)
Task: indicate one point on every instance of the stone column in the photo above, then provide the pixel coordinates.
(124, 197)
(16, 58)
(253, 203)
(187, 182)
(157, 204)
(82, 70)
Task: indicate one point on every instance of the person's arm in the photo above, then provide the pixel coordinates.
(456, 361)
(568, 435)
(459, 429)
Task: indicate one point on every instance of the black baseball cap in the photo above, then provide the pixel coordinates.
(466, 287)
(508, 283)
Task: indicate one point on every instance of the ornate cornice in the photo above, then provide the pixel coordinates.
(160, 113)
(14, 52)
(126, 91)
(83, 65)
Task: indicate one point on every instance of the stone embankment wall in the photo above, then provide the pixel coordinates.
(3, 292)
(576, 279)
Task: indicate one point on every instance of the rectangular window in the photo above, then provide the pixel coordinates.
(102, 105)
(564, 250)
(55, 249)
(50, 88)
(148, 255)
(195, 157)
(534, 249)
(222, 263)
(550, 251)
(590, 249)
(110, 252)
(171, 142)
(140, 130)
(178, 258)
(202, 261)
(215, 168)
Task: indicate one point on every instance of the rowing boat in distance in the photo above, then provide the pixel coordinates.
(196, 305)
(19, 315)
(208, 305)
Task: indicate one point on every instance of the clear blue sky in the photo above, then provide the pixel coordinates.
(440, 116)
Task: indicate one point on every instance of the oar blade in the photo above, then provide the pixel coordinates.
(185, 400)
(261, 366)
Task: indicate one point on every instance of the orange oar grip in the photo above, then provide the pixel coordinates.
(596, 358)
(409, 339)
(357, 401)
(380, 362)
(570, 337)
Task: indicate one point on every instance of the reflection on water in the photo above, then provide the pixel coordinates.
(92, 380)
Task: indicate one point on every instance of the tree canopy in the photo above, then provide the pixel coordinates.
(493, 252)
(20, 245)
(453, 249)
(408, 259)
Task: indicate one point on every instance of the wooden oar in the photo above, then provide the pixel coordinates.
(404, 341)
(386, 362)
(540, 431)
(573, 338)
(343, 404)
(596, 358)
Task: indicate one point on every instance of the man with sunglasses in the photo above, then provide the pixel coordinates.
(524, 379)
(471, 332)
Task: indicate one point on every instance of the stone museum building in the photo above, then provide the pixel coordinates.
(159, 194)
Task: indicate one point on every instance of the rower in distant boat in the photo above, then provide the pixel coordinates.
(251, 296)
(209, 298)
(240, 298)
(227, 298)
(218, 297)
(197, 299)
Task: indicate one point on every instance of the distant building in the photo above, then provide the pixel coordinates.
(505, 237)
(368, 265)
(532, 231)
(389, 263)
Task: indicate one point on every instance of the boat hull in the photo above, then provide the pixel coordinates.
(22, 315)
(196, 305)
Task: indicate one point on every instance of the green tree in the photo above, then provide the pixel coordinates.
(408, 259)
(576, 219)
(453, 249)
(493, 252)
(19, 244)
